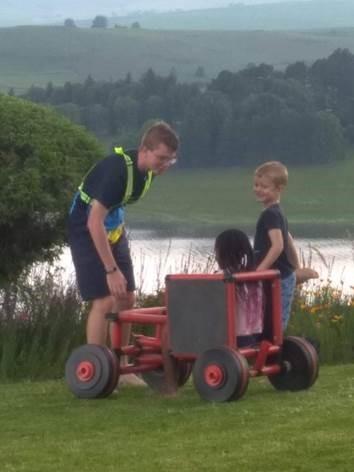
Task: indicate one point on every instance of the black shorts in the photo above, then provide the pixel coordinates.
(90, 272)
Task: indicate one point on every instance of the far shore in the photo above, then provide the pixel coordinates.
(177, 229)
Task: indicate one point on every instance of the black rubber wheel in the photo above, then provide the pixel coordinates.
(299, 360)
(114, 362)
(221, 375)
(156, 379)
(88, 371)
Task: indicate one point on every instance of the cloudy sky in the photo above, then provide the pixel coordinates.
(189, 4)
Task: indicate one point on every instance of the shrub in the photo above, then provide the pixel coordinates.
(326, 315)
(42, 157)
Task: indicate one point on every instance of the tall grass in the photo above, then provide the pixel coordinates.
(326, 315)
(41, 320)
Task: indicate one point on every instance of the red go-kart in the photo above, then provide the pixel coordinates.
(196, 332)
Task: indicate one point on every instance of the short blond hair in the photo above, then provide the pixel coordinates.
(275, 170)
(160, 133)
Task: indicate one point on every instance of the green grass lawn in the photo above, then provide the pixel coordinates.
(318, 199)
(44, 428)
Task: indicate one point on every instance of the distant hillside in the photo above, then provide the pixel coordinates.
(32, 12)
(39, 12)
(279, 14)
(291, 15)
(36, 55)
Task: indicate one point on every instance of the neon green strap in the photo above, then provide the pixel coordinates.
(129, 189)
(84, 197)
(130, 180)
(147, 184)
(129, 164)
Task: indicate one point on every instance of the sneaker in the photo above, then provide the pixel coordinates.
(131, 380)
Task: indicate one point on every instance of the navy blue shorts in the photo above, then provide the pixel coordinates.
(90, 272)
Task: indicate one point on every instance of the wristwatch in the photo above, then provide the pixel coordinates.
(110, 271)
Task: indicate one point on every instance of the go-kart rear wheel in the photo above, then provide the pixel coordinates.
(114, 362)
(89, 371)
(221, 375)
(156, 379)
(300, 365)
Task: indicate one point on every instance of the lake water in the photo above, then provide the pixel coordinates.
(155, 256)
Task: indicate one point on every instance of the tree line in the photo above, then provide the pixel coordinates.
(100, 21)
(302, 115)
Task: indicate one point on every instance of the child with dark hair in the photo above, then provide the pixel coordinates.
(234, 253)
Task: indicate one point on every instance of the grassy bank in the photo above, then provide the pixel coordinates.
(44, 428)
(318, 200)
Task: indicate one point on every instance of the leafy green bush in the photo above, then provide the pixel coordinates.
(42, 158)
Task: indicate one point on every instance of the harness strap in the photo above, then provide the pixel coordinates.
(130, 180)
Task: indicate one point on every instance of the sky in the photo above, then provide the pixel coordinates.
(42, 11)
(190, 4)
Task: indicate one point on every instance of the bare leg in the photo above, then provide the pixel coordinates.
(126, 304)
(169, 366)
(96, 327)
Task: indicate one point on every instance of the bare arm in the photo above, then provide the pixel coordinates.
(292, 253)
(95, 224)
(303, 274)
(276, 248)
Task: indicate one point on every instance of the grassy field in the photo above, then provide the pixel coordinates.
(38, 54)
(318, 201)
(44, 428)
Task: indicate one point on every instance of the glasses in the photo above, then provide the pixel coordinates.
(170, 162)
(167, 161)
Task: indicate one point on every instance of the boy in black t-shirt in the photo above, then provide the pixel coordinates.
(97, 238)
(273, 245)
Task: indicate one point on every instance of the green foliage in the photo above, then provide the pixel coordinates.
(42, 159)
(99, 21)
(135, 25)
(41, 321)
(238, 119)
(325, 315)
(69, 23)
